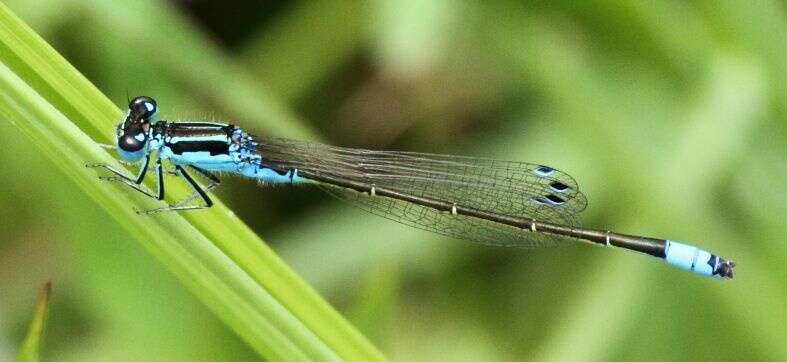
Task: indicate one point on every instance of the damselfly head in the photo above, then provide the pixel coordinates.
(143, 107)
(133, 132)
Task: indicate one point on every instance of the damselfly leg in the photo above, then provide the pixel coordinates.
(136, 184)
(197, 191)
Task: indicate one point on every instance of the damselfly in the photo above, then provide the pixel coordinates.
(483, 200)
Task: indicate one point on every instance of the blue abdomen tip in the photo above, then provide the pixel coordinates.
(697, 260)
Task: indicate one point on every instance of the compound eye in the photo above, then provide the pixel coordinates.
(132, 142)
(143, 107)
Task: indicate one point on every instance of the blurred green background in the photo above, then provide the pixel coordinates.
(671, 115)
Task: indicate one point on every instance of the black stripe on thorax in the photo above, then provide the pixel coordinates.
(199, 137)
(194, 129)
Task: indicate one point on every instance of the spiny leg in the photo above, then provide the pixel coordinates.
(207, 174)
(160, 179)
(203, 172)
(136, 183)
(179, 205)
(215, 182)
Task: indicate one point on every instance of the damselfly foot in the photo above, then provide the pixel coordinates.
(182, 205)
(119, 176)
(174, 207)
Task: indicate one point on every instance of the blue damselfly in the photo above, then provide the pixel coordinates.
(482, 200)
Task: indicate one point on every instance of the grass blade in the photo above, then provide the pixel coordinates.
(32, 344)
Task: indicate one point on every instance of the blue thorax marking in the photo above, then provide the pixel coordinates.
(213, 147)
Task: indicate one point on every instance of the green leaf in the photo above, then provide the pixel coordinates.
(32, 344)
(217, 257)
